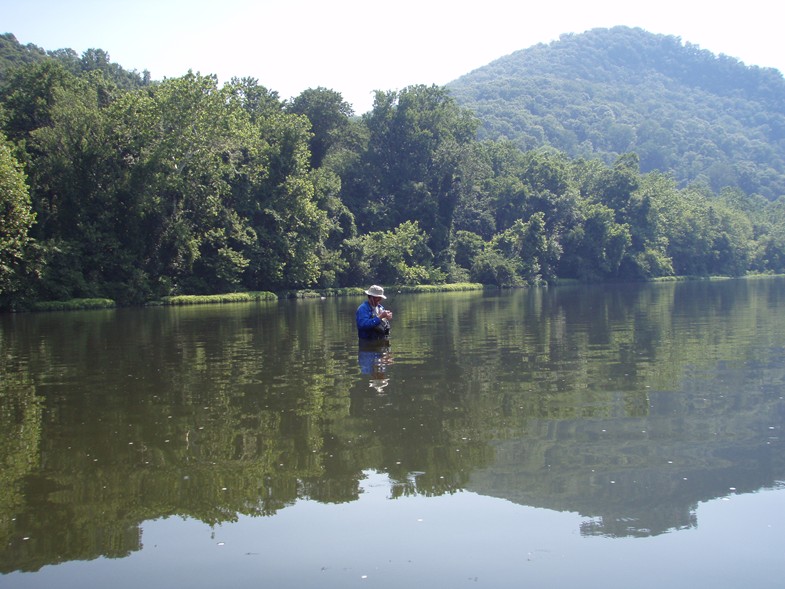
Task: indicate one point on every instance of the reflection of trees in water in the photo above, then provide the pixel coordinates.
(546, 370)
(20, 431)
(646, 475)
(214, 412)
(636, 522)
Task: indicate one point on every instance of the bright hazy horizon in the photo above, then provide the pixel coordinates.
(356, 47)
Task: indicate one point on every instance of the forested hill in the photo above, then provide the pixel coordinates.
(114, 186)
(14, 54)
(605, 92)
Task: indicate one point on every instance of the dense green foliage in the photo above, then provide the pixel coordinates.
(16, 218)
(606, 92)
(140, 190)
(12, 54)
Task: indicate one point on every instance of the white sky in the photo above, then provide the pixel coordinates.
(358, 46)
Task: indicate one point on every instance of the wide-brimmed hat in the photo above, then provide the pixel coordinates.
(376, 291)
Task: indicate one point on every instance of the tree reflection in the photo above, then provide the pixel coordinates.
(628, 404)
(20, 424)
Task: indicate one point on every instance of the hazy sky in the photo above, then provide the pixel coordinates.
(358, 46)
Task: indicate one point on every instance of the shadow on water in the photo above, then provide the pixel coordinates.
(628, 404)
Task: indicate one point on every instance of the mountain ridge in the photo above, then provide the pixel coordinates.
(685, 110)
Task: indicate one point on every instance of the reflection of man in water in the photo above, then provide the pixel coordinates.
(373, 329)
(373, 356)
(373, 320)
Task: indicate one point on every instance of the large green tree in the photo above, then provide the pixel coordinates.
(226, 197)
(400, 256)
(705, 236)
(74, 176)
(595, 247)
(183, 187)
(418, 140)
(330, 118)
(335, 140)
(279, 200)
(28, 93)
(16, 218)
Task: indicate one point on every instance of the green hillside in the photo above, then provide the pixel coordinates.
(15, 55)
(703, 117)
(613, 155)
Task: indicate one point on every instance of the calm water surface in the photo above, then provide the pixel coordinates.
(608, 436)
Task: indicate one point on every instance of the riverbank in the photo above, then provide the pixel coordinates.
(251, 297)
(267, 296)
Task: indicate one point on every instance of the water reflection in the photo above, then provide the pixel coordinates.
(373, 357)
(627, 404)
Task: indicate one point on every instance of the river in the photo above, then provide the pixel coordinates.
(604, 435)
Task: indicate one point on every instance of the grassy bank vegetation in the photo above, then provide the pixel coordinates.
(261, 296)
(234, 297)
(74, 305)
(254, 296)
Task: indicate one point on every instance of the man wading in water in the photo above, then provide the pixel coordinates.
(373, 320)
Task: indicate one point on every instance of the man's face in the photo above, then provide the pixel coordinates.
(375, 301)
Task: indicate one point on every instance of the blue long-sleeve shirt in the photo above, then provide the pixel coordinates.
(369, 326)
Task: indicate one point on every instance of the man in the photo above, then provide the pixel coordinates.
(373, 320)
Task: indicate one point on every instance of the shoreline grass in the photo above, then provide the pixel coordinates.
(234, 297)
(74, 305)
(314, 293)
